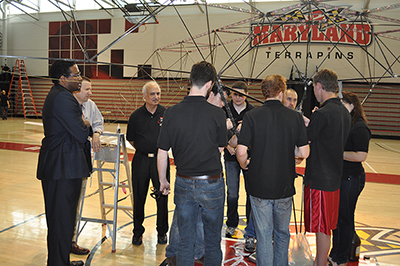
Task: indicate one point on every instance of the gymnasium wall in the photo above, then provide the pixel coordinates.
(163, 45)
(167, 45)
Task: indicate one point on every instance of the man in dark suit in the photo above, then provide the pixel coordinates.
(62, 160)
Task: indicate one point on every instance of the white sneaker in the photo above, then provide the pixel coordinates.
(230, 231)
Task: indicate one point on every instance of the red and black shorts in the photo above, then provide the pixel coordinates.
(321, 210)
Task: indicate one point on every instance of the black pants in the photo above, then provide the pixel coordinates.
(60, 200)
(143, 169)
(350, 189)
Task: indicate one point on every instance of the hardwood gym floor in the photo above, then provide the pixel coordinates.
(23, 224)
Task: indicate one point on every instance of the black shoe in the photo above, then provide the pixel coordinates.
(137, 240)
(162, 239)
(249, 244)
(171, 261)
(76, 249)
(77, 263)
(199, 261)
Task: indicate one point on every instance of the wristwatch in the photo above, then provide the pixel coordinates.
(97, 132)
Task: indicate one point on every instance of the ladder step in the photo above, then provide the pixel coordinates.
(104, 170)
(111, 206)
(111, 184)
(94, 220)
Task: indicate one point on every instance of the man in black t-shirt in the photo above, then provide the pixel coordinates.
(196, 132)
(239, 106)
(214, 98)
(276, 135)
(142, 132)
(327, 132)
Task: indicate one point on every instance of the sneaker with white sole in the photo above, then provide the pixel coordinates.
(230, 231)
(249, 244)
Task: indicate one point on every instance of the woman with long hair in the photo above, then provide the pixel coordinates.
(353, 179)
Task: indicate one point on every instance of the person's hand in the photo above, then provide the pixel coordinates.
(245, 166)
(229, 124)
(165, 187)
(231, 150)
(315, 109)
(239, 127)
(306, 120)
(96, 145)
(87, 123)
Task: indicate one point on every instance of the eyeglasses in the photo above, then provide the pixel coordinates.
(75, 75)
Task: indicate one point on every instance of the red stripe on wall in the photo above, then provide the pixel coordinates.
(370, 177)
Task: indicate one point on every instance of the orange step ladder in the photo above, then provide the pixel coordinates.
(22, 87)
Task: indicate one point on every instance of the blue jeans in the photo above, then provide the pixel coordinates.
(272, 218)
(172, 248)
(4, 110)
(206, 197)
(250, 232)
(232, 169)
(350, 189)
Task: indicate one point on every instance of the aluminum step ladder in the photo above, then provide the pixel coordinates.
(110, 154)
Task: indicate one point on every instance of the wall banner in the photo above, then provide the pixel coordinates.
(323, 26)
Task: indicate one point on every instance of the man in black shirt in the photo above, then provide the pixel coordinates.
(214, 98)
(327, 132)
(196, 132)
(142, 132)
(276, 135)
(4, 105)
(238, 106)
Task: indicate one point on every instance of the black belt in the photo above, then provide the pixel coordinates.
(150, 155)
(201, 177)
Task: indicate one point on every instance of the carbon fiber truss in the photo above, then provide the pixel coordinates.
(311, 20)
(307, 20)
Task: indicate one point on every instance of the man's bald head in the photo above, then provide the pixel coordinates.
(290, 99)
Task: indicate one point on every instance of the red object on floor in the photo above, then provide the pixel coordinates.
(352, 263)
